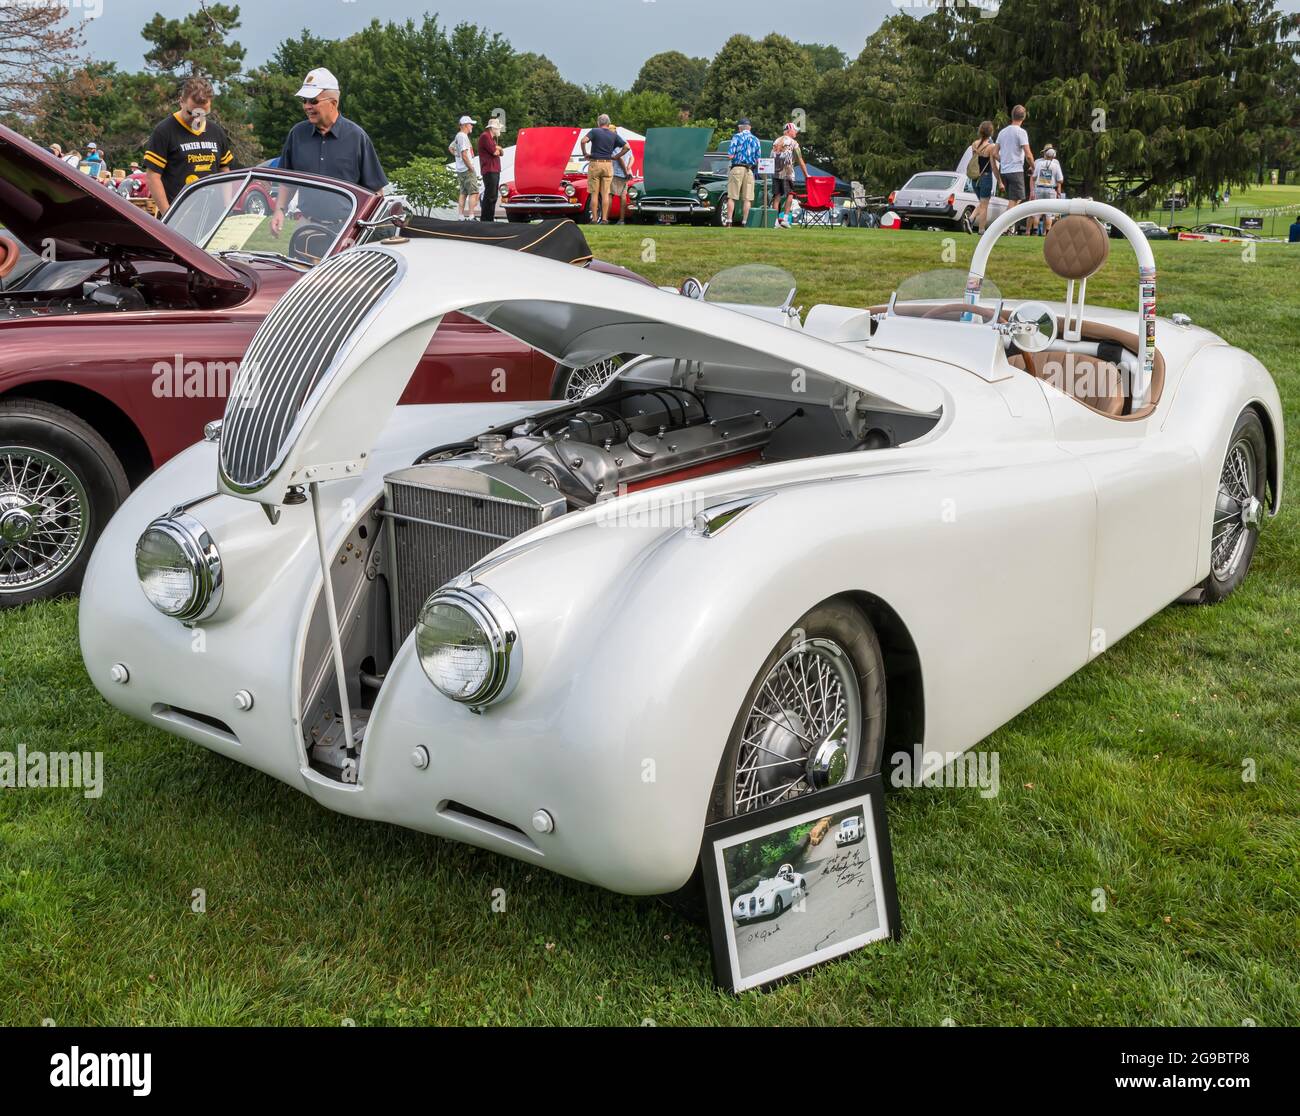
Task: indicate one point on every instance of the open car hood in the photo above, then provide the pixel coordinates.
(541, 154)
(672, 160)
(46, 203)
(297, 414)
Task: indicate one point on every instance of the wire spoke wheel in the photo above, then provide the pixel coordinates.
(803, 729)
(43, 509)
(1236, 509)
(590, 378)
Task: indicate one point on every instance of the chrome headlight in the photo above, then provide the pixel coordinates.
(569, 188)
(504, 192)
(702, 194)
(633, 192)
(179, 568)
(468, 645)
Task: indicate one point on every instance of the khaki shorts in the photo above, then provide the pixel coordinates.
(740, 180)
(598, 171)
(618, 186)
(469, 183)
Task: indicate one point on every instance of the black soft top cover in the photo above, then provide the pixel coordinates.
(557, 239)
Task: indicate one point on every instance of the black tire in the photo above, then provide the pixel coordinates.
(719, 218)
(838, 622)
(965, 222)
(777, 907)
(563, 376)
(1228, 573)
(51, 439)
(256, 204)
(517, 218)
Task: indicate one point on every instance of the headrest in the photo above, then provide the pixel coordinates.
(9, 253)
(1076, 247)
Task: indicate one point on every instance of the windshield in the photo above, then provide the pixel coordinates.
(235, 215)
(942, 294)
(752, 285)
(930, 182)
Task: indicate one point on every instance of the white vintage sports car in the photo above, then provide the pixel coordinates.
(771, 897)
(850, 830)
(755, 563)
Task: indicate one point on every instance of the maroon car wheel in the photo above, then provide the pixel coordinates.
(60, 483)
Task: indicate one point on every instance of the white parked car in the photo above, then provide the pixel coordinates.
(850, 830)
(771, 897)
(943, 198)
(752, 565)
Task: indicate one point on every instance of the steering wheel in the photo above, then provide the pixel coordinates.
(305, 234)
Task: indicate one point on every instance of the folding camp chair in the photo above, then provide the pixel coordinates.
(817, 205)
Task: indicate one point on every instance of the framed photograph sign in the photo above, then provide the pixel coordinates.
(799, 883)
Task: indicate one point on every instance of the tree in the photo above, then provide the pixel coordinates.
(36, 51)
(865, 143)
(675, 75)
(548, 98)
(765, 80)
(637, 111)
(195, 46)
(98, 102)
(1133, 94)
(825, 58)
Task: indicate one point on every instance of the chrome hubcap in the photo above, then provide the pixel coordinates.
(590, 378)
(1237, 510)
(42, 518)
(803, 730)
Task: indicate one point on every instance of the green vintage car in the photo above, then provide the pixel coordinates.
(684, 182)
(687, 183)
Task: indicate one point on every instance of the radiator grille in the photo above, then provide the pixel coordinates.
(291, 353)
(457, 529)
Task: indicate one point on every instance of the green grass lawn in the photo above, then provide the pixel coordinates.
(1127, 778)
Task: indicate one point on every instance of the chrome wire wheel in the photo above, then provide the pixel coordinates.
(42, 518)
(590, 378)
(802, 731)
(1236, 509)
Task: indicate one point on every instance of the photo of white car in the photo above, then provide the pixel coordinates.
(759, 559)
(770, 897)
(850, 831)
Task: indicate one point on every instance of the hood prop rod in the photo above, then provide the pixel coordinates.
(336, 640)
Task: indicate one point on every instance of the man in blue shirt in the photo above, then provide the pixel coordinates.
(1294, 238)
(601, 145)
(743, 151)
(328, 144)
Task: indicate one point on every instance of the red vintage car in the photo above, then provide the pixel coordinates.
(120, 335)
(550, 181)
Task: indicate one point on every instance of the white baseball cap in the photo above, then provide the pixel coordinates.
(466, 120)
(317, 81)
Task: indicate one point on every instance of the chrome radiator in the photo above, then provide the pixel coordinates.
(443, 517)
(292, 353)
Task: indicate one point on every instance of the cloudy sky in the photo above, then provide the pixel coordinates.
(590, 40)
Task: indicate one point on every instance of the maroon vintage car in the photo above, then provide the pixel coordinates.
(120, 334)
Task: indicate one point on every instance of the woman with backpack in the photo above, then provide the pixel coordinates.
(983, 168)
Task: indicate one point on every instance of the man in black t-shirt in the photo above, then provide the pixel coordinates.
(186, 146)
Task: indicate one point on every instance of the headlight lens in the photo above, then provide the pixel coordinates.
(468, 645)
(633, 192)
(570, 189)
(702, 194)
(504, 191)
(179, 568)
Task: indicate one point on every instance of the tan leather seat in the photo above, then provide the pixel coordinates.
(1090, 380)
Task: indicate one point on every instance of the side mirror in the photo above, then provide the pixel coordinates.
(691, 288)
(1033, 327)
